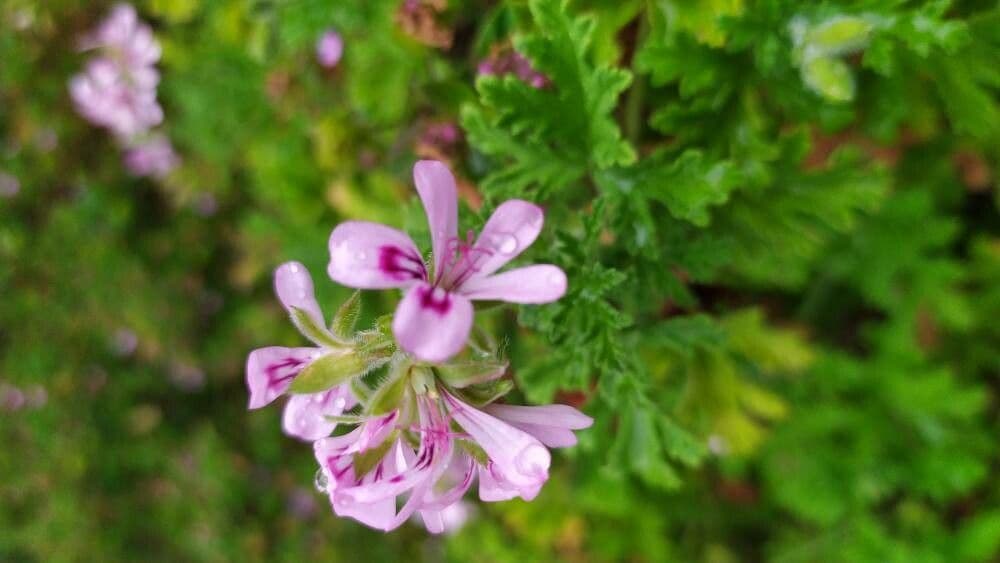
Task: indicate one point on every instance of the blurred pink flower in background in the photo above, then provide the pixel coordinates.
(117, 90)
(153, 156)
(329, 49)
(9, 185)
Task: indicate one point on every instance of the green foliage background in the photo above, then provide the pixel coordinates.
(779, 221)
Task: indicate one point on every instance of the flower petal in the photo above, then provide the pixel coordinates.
(432, 324)
(549, 435)
(558, 416)
(510, 230)
(436, 187)
(518, 460)
(372, 256)
(270, 371)
(490, 490)
(294, 287)
(550, 424)
(541, 283)
(305, 415)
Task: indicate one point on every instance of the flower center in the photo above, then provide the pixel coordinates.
(465, 258)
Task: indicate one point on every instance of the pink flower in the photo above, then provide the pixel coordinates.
(117, 89)
(154, 156)
(433, 320)
(329, 49)
(123, 102)
(270, 370)
(126, 37)
(434, 475)
(371, 497)
(9, 185)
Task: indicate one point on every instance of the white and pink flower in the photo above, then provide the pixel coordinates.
(424, 461)
(271, 370)
(434, 318)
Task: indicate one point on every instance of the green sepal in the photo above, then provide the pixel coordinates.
(464, 373)
(390, 391)
(346, 418)
(308, 327)
(474, 450)
(346, 318)
(485, 393)
(361, 390)
(422, 380)
(328, 371)
(368, 459)
(482, 342)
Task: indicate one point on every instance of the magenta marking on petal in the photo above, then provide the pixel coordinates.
(273, 380)
(400, 265)
(435, 299)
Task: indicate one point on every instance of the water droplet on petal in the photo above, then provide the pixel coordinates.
(505, 243)
(339, 403)
(321, 481)
(360, 256)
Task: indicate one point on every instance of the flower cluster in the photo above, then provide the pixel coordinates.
(427, 425)
(117, 90)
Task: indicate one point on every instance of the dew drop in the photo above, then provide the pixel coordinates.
(557, 279)
(505, 243)
(360, 256)
(339, 403)
(321, 481)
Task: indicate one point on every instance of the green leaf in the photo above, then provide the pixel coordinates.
(330, 370)
(689, 184)
(347, 316)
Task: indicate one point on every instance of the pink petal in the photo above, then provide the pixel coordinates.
(372, 256)
(549, 435)
(462, 470)
(305, 415)
(518, 460)
(557, 416)
(541, 283)
(436, 187)
(294, 287)
(380, 515)
(490, 490)
(432, 324)
(550, 424)
(270, 371)
(510, 230)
